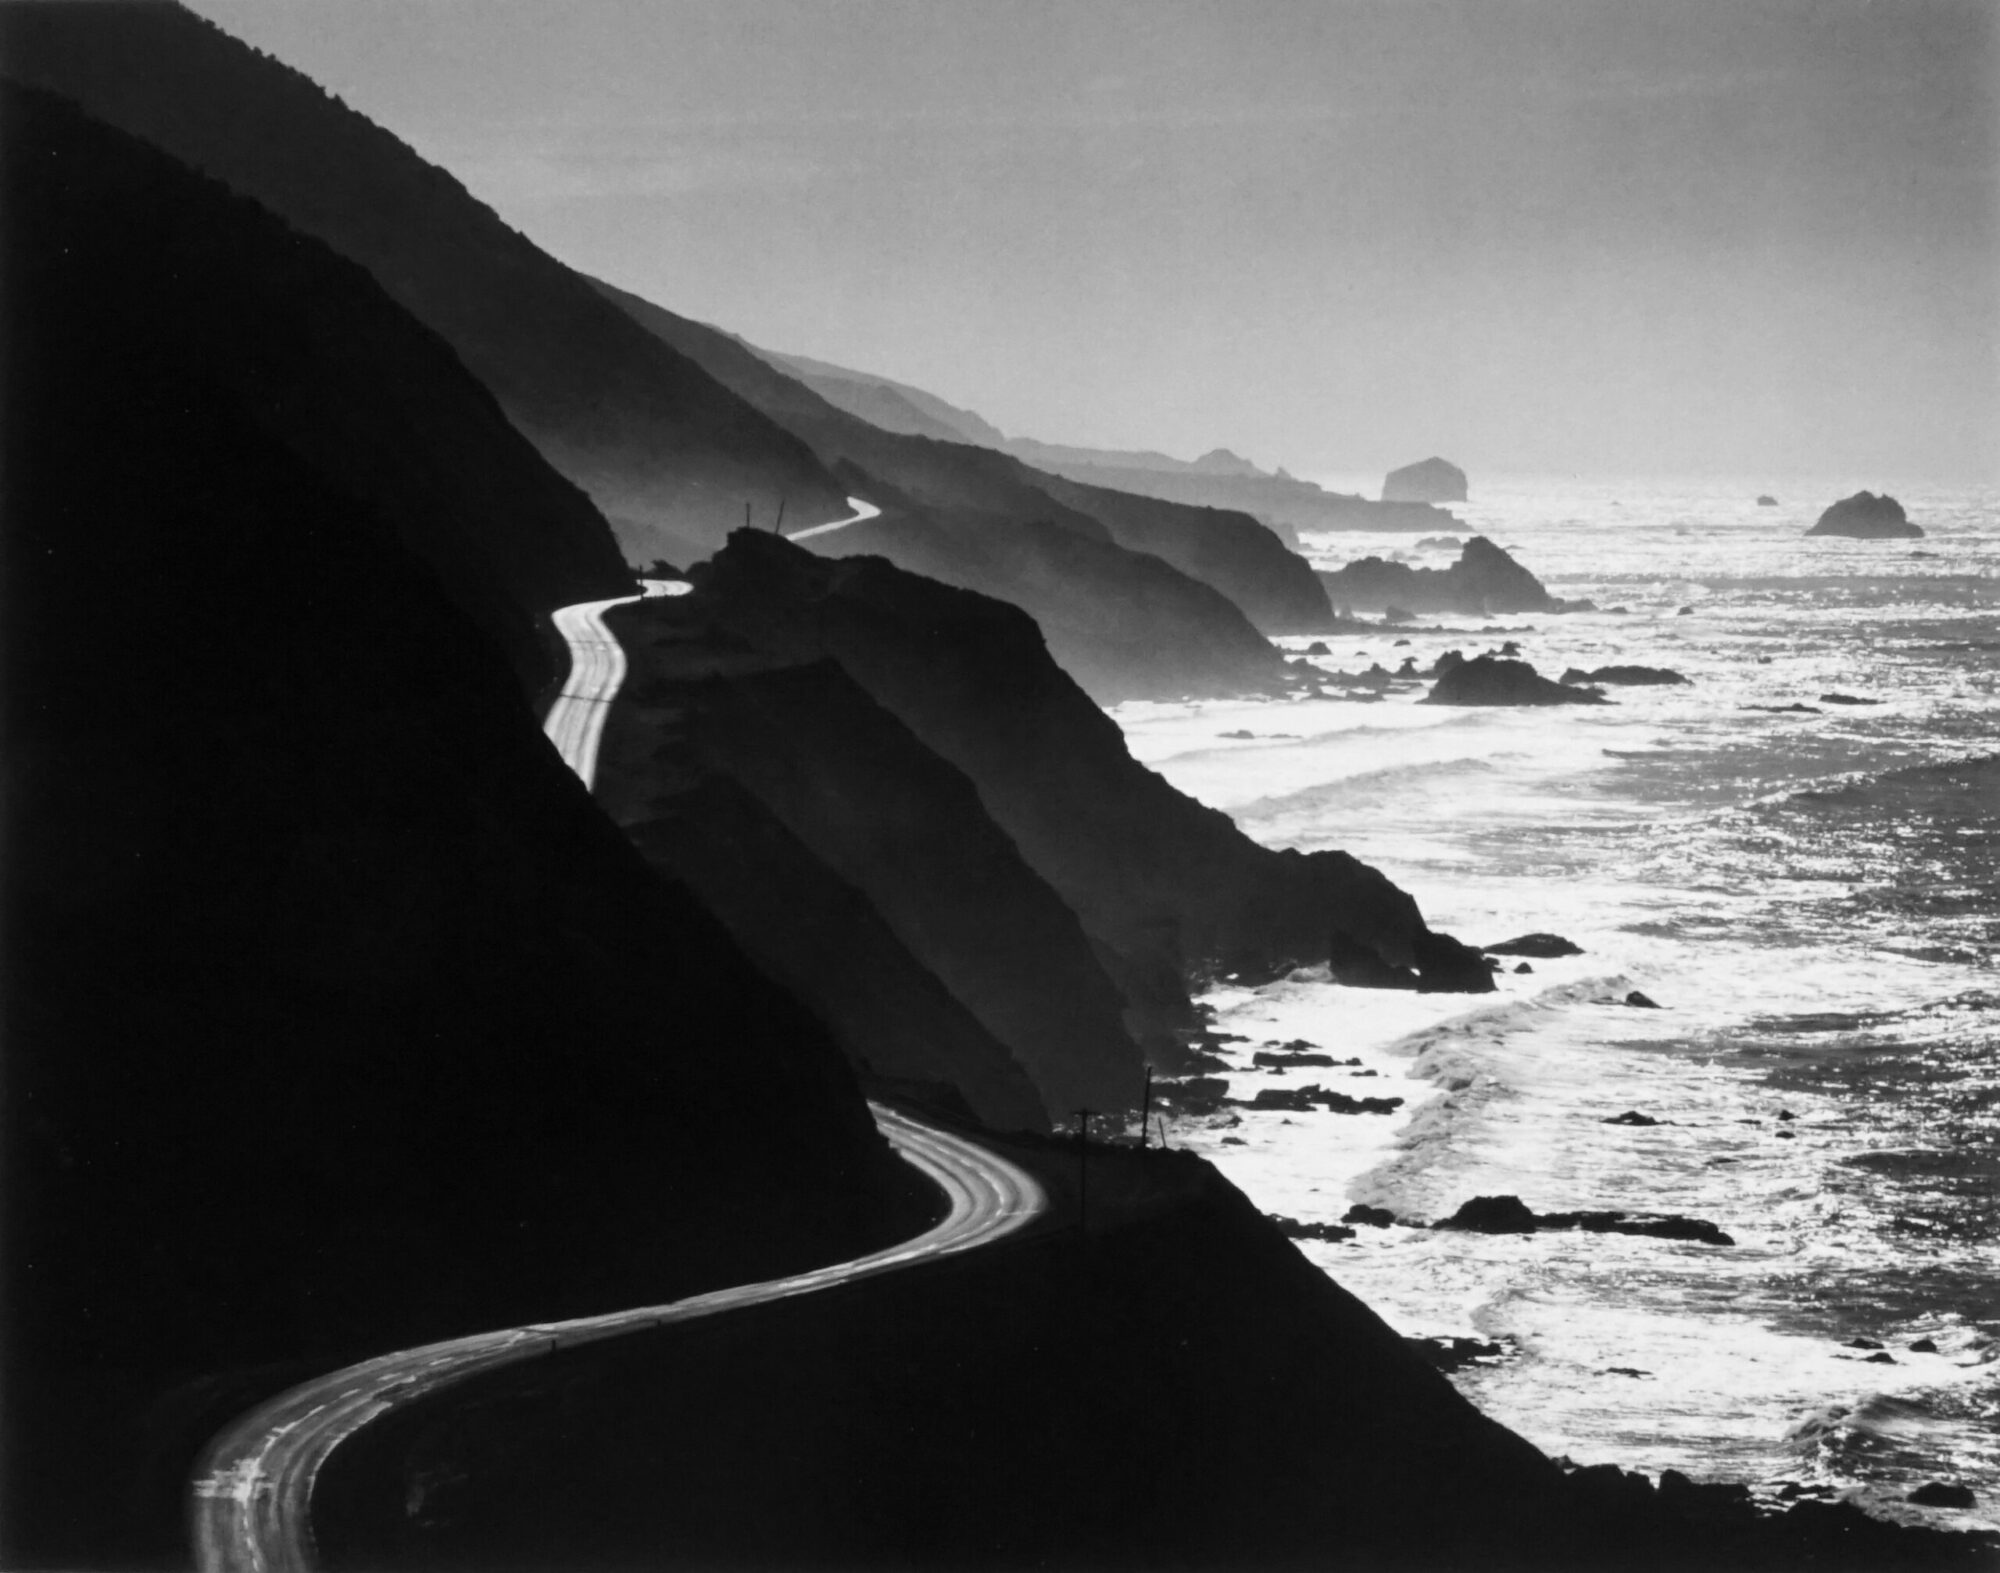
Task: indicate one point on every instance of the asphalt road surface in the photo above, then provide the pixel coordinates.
(251, 1496)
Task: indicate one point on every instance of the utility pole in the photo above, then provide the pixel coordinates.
(1146, 1108)
(778, 524)
(1083, 1167)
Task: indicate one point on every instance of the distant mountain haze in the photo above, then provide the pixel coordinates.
(1218, 479)
(1137, 598)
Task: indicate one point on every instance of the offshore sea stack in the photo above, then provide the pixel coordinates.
(1489, 680)
(1867, 517)
(1484, 580)
(1428, 480)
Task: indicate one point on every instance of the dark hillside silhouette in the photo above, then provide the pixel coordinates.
(666, 453)
(337, 1017)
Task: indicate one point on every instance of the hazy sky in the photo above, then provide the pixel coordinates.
(1754, 237)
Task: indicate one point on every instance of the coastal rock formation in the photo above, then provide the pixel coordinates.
(1766, 500)
(1544, 947)
(1230, 551)
(1511, 1215)
(1170, 892)
(1626, 676)
(1487, 680)
(1484, 580)
(1428, 480)
(1867, 517)
(310, 932)
(885, 816)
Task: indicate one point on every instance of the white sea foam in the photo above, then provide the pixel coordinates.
(1812, 961)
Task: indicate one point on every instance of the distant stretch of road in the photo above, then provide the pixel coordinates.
(862, 512)
(250, 1509)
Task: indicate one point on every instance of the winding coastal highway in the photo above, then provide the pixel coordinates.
(250, 1500)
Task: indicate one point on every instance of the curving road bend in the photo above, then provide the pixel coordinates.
(575, 722)
(250, 1503)
(863, 512)
(252, 1491)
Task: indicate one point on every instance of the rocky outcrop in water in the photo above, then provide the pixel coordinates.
(1510, 1215)
(1626, 676)
(1867, 517)
(1428, 480)
(1485, 580)
(1543, 947)
(1487, 680)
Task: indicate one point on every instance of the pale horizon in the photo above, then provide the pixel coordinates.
(1528, 235)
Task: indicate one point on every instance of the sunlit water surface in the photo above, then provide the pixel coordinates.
(1814, 899)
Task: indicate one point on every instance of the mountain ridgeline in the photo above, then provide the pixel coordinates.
(668, 456)
(1218, 480)
(1139, 598)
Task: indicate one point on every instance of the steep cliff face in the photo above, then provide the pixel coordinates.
(667, 453)
(337, 1017)
(904, 1032)
(1484, 580)
(887, 818)
(1124, 625)
(1231, 551)
(1171, 887)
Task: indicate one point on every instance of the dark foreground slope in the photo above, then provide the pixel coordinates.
(508, 540)
(1175, 1387)
(337, 1016)
(1168, 891)
(668, 454)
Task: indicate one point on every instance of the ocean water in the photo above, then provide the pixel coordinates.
(1813, 898)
